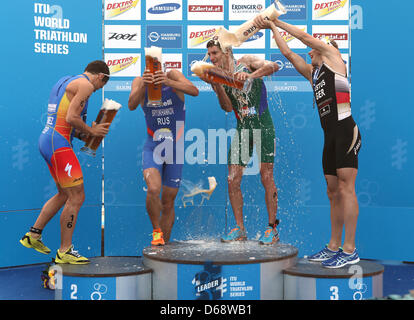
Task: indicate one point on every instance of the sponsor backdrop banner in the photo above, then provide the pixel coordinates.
(182, 29)
(58, 38)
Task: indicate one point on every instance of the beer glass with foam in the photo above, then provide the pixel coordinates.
(153, 64)
(218, 75)
(106, 114)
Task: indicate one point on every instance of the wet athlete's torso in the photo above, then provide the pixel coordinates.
(331, 92)
(58, 107)
(166, 120)
(251, 109)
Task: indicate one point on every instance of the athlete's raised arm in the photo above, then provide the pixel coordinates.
(298, 62)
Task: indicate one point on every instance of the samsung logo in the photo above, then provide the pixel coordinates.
(256, 36)
(164, 8)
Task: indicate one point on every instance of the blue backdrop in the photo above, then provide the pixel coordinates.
(381, 106)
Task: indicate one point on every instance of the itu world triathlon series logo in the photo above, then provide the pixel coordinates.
(209, 283)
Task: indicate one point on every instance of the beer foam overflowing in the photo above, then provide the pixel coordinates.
(110, 105)
(200, 66)
(155, 52)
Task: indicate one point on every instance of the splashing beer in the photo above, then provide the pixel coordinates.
(221, 76)
(106, 115)
(153, 64)
(248, 29)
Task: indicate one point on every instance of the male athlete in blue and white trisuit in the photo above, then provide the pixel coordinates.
(163, 154)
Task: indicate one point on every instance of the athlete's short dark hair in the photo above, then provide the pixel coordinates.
(213, 43)
(97, 66)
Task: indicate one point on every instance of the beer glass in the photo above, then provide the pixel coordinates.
(218, 75)
(106, 114)
(153, 64)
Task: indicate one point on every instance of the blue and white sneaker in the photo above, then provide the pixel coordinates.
(270, 236)
(341, 259)
(236, 234)
(323, 255)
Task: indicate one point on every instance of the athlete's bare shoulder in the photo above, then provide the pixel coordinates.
(79, 85)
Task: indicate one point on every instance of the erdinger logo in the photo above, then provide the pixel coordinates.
(327, 7)
(247, 7)
(209, 284)
(117, 65)
(164, 8)
(199, 37)
(115, 8)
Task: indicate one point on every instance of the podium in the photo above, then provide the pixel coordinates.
(212, 270)
(105, 278)
(310, 281)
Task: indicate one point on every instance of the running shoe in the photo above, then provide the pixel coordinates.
(270, 236)
(29, 242)
(236, 234)
(341, 259)
(323, 255)
(70, 256)
(157, 238)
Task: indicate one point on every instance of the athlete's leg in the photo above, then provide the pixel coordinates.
(49, 210)
(235, 194)
(75, 198)
(266, 173)
(337, 218)
(153, 203)
(348, 205)
(168, 213)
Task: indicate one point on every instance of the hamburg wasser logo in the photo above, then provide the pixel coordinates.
(326, 7)
(116, 8)
(208, 283)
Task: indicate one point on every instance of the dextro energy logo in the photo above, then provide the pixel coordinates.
(287, 36)
(325, 8)
(123, 65)
(199, 35)
(115, 8)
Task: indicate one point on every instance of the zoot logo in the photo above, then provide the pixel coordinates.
(120, 36)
